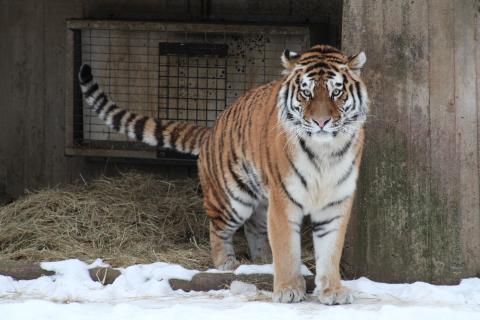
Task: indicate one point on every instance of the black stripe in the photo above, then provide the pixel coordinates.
(99, 108)
(174, 134)
(129, 120)
(98, 98)
(221, 236)
(228, 221)
(91, 90)
(286, 94)
(234, 197)
(335, 60)
(343, 150)
(186, 136)
(321, 65)
(225, 221)
(299, 175)
(295, 202)
(223, 212)
(325, 233)
(308, 60)
(251, 182)
(354, 97)
(347, 174)
(359, 92)
(139, 128)
(324, 50)
(205, 131)
(243, 187)
(335, 203)
(116, 120)
(110, 109)
(233, 214)
(196, 140)
(309, 153)
(318, 226)
(159, 133)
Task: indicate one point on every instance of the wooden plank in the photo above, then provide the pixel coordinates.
(69, 90)
(183, 27)
(475, 264)
(363, 30)
(58, 168)
(19, 39)
(467, 137)
(415, 48)
(34, 104)
(444, 250)
(111, 153)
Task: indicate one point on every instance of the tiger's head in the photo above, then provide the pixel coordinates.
(322, 94)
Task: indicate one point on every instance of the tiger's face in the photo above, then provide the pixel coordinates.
(322, 94)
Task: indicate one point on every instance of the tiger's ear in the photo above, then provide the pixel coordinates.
(356, 62)
(289, 59)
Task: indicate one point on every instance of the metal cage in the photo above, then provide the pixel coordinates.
(175, 71)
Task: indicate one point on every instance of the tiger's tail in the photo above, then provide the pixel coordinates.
(180, 136)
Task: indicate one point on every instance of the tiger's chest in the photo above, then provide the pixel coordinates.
(322, 174)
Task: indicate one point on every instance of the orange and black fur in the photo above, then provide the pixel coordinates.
(284, 150)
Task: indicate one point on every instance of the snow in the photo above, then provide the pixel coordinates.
(142, 292)
(264, 268)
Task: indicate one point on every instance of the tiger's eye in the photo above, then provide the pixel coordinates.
(336, 92)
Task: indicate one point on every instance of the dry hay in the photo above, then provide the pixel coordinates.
(133, 218)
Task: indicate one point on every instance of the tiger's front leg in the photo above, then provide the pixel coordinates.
(284, 222)
(329, 227)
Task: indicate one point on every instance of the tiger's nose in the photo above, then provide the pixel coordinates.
(322, 121)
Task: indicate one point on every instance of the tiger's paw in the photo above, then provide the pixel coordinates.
(341, 295)
(229, 264)
(290, 293)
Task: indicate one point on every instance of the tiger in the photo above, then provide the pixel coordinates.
(284, 150)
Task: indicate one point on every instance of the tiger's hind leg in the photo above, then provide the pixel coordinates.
(221, 243)
(256, 232)
(223, 225)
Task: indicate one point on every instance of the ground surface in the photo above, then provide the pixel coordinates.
(142, 292)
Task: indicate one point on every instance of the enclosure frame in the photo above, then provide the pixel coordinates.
(74, 26)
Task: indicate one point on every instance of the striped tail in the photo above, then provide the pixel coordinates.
(180, 136)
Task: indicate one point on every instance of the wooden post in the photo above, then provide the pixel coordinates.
(417, 208)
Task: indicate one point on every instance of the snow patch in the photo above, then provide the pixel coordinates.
(244, 289)
(143, 292)
(264, 268)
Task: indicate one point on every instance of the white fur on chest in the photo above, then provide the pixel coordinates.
(329, 179)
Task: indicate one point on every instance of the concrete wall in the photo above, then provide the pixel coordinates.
(32, 64)
(418, 212)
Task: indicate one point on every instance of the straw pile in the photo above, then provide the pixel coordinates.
(133, 218)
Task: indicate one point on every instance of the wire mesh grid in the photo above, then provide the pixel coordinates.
(175, 75)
